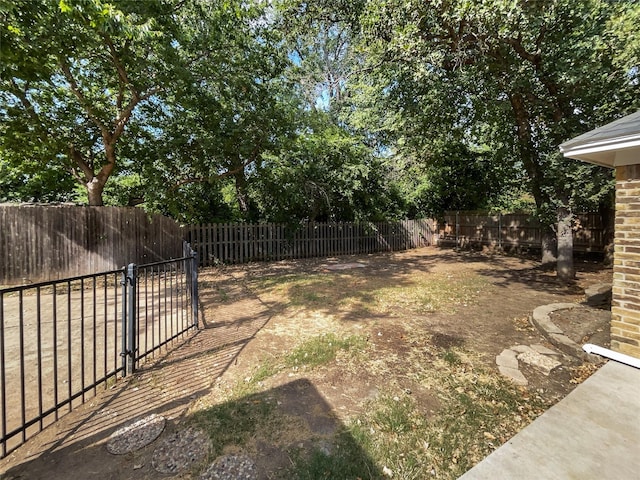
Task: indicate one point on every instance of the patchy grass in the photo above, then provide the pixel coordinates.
(314, 352)
(323, 349)
(394, 436)
(346, 460)
(235, 421)
(433, 409)
(479, 411)
(419, 293)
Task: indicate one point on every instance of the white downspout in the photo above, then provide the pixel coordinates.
(617, 356)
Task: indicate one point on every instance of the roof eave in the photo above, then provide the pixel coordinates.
(602, 153)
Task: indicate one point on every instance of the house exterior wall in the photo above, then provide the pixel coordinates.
(625, 307)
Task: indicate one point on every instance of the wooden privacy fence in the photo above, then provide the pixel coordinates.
(241, 242)
(45, 242)
(515, 231)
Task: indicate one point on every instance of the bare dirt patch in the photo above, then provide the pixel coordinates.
(584, 324)
(408, 324)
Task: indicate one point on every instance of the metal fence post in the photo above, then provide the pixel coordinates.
(124, 310)
(133, 320)
(129, 321)
(194, 285)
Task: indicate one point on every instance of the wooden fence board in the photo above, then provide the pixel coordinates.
(45, 242)
(238, 242)
(512, 231)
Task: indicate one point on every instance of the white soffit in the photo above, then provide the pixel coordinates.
(612, 145)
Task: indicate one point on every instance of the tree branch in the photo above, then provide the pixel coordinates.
(516, 44)
(29, 108)
(122, 73)
(230, 172)
(80, 161)
(66, 70)
(125, 115)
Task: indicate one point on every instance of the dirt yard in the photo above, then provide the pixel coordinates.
(398, 326)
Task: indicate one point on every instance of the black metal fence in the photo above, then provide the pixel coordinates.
(62, 340)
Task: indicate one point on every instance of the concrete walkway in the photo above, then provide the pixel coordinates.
(594, 432)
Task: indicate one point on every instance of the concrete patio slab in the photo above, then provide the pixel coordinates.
(594, 432)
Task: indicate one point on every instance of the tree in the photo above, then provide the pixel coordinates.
(234, 106)
(520, 77)
(325, 174)
(74, 74)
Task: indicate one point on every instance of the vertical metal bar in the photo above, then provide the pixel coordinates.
(23, 407)
(69, 389)
(171, 320)
(95, 335)
(116, 304)
(82, 363)
(164, 301)
(125, 312)
(105, 331)
(184, 293)
(39, 339)
(54, 308)
(3, 389)
(179, 285)
(132, 323)
(153, 309)
(146, 310)
(194, 287)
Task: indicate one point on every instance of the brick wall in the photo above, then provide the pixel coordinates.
(625, 308)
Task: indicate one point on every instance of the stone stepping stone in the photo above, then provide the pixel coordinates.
(180, 451)
(231, 467)
(543, 363)
(514, 375)
(507, 359)
(136, 435)
(507, 363)
(538, 347)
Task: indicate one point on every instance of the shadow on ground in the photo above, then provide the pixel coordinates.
(294, 416)
(306, 441)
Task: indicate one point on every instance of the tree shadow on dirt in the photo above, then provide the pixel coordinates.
(347, 288)
(287, 432)
(534, 278)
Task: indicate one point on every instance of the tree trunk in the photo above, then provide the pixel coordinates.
(247, 210)
(241, 192)
(549, 247)
(565, 269)
(533, 167)
(94, 192)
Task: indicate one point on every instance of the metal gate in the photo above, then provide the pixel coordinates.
(61, 340)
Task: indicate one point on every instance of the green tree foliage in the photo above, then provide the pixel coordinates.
(235, 105)
(334, 170)
(74, 73)
(520, 77)
(290, 110)
(326, 174)
(517, 78)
